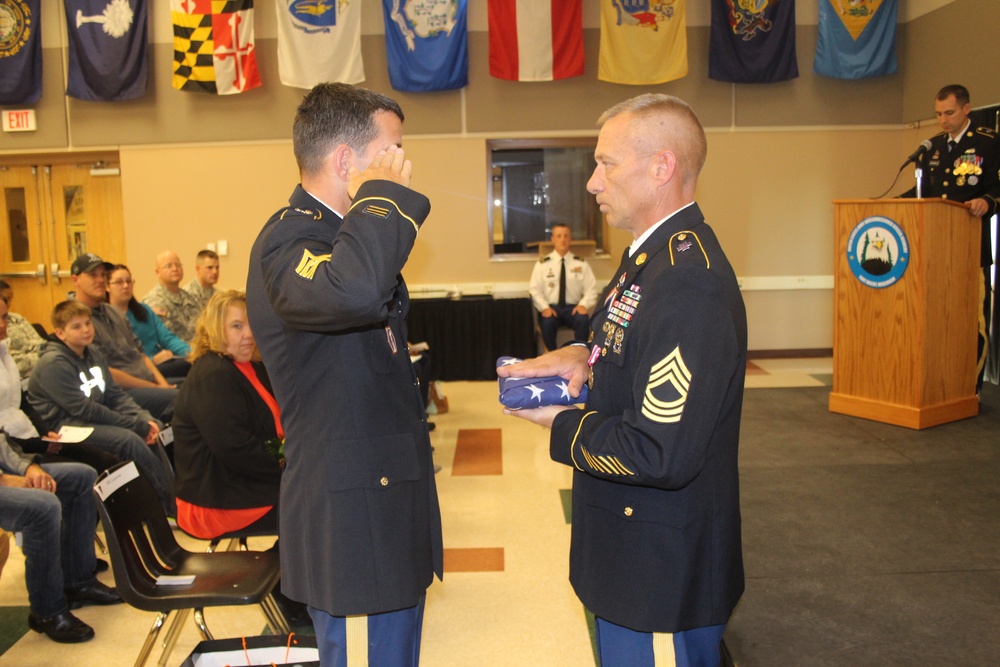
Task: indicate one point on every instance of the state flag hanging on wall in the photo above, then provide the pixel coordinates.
(20, 51)
(857, 38)
(536, 40)
(108, 49)
(752, 41)
(426, 44)
(643, 42)
(214, 46)
(319, 42)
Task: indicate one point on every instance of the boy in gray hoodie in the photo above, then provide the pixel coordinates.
(72, 386)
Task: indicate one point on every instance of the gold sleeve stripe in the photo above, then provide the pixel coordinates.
(576, 436)
(413, 222)
(669, 370)
(609, 465)
(697, 240)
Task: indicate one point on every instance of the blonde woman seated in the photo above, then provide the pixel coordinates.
(226, 479)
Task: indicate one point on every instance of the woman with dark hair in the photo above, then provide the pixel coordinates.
(166, 350)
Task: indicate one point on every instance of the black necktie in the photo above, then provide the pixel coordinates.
(562, 283)
(951, 145)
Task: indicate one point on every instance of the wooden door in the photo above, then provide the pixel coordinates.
(52, 213)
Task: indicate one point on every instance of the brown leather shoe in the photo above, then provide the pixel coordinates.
(93, 593)
(64, 627)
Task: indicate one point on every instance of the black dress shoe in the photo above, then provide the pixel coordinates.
(93, 593)
(64, 627)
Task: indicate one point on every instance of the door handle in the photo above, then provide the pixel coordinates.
(40, 274)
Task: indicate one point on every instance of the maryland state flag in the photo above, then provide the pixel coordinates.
(643, 42)
(20, 51)
(214, 46)
(320, 41)
(108, 49)
(857, 38)
(536, 40)
(752, 41)
(427, 44)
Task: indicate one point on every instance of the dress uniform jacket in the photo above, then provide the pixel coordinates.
(656, 543)
(581, 286)
(970, 171)
(359, 520)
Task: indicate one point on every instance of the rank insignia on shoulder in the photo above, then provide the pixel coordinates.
(684, 241)
(309, 263)
(377, 211)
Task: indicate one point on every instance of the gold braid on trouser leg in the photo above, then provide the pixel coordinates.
(983, 334)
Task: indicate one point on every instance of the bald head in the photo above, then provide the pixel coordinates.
(169, 270)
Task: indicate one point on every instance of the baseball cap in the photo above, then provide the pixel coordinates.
(86, 263)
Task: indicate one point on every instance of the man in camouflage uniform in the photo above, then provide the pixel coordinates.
(175, 306)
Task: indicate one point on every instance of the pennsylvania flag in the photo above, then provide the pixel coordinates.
(752, 41)
(214, 46)
(108, 49)
(320, 41)
(536, 40)
(642, 42)
(426, 43)
(20, 51)
(857, 38)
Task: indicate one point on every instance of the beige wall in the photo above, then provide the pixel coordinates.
(778, 154)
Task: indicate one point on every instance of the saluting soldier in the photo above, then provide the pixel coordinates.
(963, 165)
(656, 549)
(360, 526)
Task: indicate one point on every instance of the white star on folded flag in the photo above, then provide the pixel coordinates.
(536, 392)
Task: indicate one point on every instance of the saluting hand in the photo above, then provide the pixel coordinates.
(388, 165)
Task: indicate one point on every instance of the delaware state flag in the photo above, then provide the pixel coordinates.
(20, 51)
(536, 40)
(319, 41)
(108, 49)
(752, 41)
(214, 46)
(643, 42)
(426, 43)
(857, 38)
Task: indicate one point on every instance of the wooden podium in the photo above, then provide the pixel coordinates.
(905, 354)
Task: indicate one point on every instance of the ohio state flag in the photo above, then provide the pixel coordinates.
(536, 40)
(214, 46)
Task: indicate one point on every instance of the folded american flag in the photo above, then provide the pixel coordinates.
(518, 393)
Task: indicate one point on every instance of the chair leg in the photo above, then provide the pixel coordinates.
(199, 620)
(100, 543)
(154, 631)
(213, 545)
(275, 618)
(173, 633)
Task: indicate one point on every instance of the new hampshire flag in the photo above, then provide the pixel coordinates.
(642, 42)
(857, 38)
(20, 51)
(108, 49)
(426, 43)
(319, 42)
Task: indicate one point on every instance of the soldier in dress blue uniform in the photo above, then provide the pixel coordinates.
(656, 551)
(963, 165)
(359, 525)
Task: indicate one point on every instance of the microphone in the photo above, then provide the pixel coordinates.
(924, 146)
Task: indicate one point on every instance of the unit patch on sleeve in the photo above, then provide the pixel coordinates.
(309, 263)
(667, 390)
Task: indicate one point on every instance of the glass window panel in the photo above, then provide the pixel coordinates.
(17, 223)
(76, 220)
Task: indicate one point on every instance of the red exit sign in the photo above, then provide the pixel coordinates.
(19, 120)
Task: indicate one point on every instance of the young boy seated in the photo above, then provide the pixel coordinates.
(72, 386)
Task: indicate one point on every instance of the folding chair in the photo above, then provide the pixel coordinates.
(148, 563)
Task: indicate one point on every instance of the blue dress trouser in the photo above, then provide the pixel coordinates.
(621, 647)
(391, 639)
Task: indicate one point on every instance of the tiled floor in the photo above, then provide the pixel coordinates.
(505, 599)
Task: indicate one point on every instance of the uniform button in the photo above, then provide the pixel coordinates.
(945, 184)
(384, 481)
(947, 171)
(628, 511)
(944, 196)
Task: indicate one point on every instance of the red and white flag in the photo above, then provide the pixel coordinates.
(536, 40)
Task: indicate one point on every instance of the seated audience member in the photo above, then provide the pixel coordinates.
(130, 367)
(72, 386)
(563, 290)
(25, 342)
(53, 507)
(23, 425)
(178, 309)
(227, 434)
(206, 275)
(166, 350)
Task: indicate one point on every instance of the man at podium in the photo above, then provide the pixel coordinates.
(963, 165)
